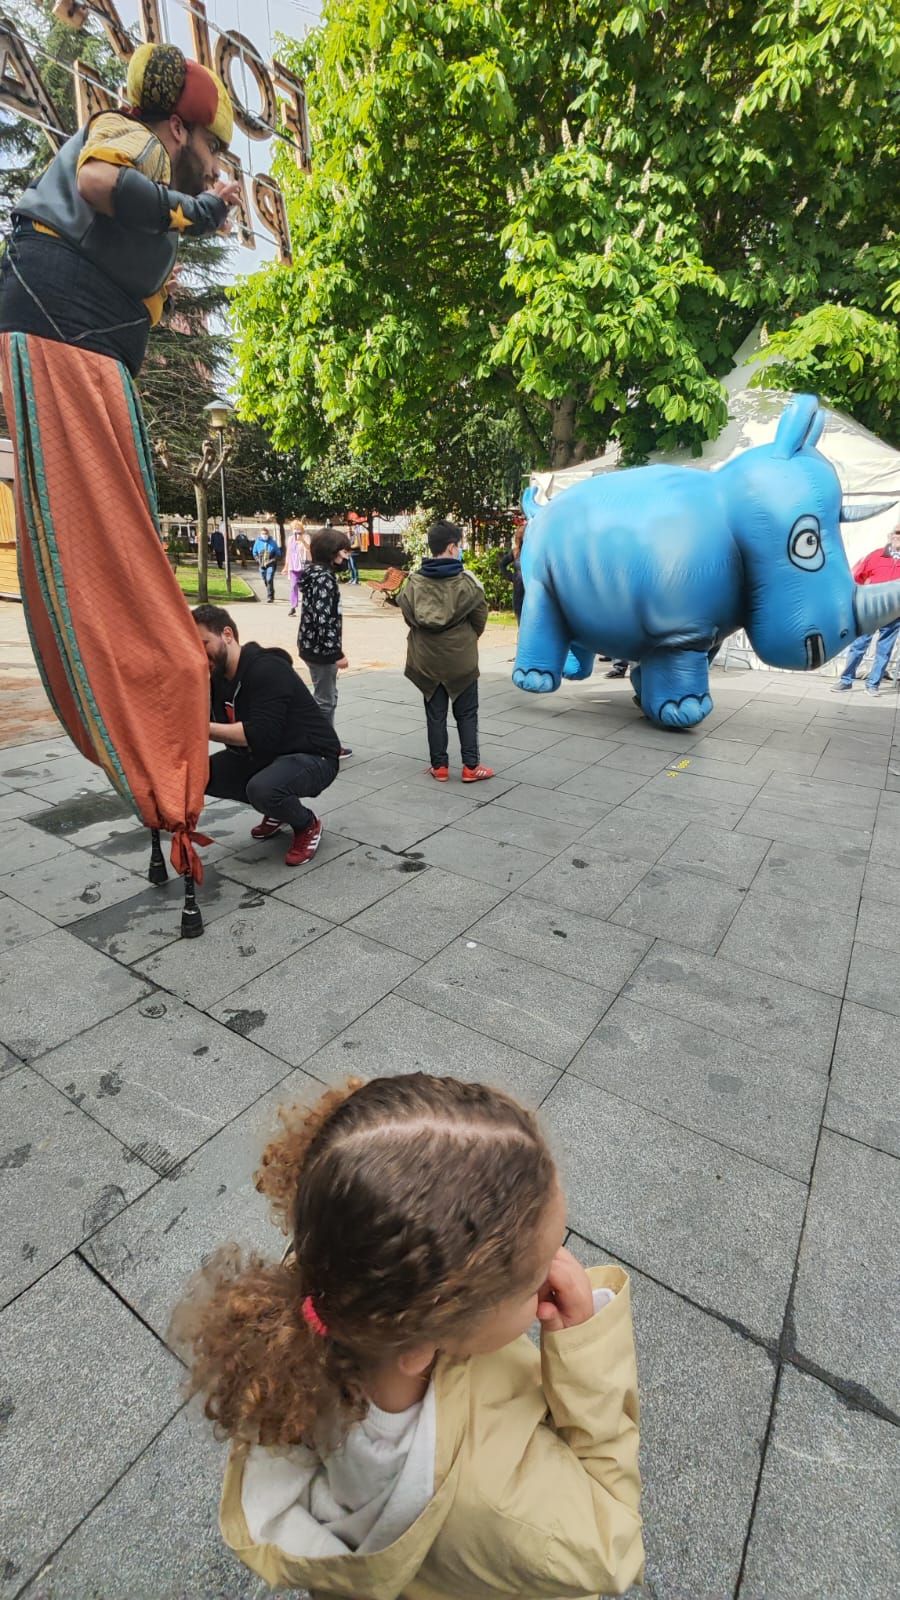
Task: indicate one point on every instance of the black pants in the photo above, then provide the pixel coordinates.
(276, 789)
(465, 712)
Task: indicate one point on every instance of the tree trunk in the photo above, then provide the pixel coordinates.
(200, 492)
(562, 437)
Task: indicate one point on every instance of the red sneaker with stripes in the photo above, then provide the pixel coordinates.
(266, 829)
(306, 843)
(476, 774)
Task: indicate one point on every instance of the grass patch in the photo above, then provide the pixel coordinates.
(215, 583)
(506, 619)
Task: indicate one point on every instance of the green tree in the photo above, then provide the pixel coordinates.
(568, 212)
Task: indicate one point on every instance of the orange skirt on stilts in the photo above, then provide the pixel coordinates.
(112, 634)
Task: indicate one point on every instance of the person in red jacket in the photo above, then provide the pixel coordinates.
(879, 566)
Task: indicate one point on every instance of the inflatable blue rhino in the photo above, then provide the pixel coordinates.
(658, 565)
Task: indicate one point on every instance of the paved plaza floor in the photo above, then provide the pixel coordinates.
(684, 950)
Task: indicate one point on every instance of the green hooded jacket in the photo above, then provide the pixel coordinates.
(445, 617)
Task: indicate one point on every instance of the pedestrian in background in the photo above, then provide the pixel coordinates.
(296, 561)
(266, 551)
(879, 566)
(320, 635)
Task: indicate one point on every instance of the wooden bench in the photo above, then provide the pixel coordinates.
(389, 587)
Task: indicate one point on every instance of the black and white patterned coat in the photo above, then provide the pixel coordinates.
(319, 635)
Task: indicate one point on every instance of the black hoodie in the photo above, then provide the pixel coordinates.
(279, 714)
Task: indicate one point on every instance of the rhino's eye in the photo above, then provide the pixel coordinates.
(805, 545)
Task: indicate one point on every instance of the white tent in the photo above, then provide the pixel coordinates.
(864, 464)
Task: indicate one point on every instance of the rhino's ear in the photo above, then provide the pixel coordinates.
(529, 502)
(800, 425)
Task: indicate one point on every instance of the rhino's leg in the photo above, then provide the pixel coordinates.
(579, 663)
(543, 642)
(674, 687)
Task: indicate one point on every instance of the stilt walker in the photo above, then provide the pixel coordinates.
(93, 245)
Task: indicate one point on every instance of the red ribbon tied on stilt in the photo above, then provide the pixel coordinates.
(184, 857)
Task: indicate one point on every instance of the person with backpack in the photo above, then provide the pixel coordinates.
(278, 744)
(446, 613)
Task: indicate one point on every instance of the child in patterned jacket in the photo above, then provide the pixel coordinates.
(319, 641)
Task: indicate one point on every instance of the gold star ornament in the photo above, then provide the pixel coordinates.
(177, 219)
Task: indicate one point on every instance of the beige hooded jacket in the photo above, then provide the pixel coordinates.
(536, 1480)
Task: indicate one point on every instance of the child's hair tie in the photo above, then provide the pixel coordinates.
(312, 1319)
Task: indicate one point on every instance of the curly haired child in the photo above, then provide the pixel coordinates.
(394, 1436)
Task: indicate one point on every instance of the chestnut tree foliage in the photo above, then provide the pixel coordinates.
(567, 214)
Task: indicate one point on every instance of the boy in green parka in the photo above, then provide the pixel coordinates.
(446, 613)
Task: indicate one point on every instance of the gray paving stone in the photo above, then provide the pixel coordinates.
(71, 886)
(523, 738)
(445, 802)
(16, 756)
(864, 1091)
(877, 925)
(19, 923)
(701, 1219)
(713, 748)
(763, 1106)
(137, 927)
(867, 775)
(234, 950)
(384, 770)
(61, 1177)
(368, 823)
(19, 803)
(149, 1252)
(816, 801)
(90, 819)
(802, 941)
(568, 941)
(399, 1036)
(429, 910)
(587, 879)
(609, 785)
(636, 758)
(529, 1007)
(682, 783)
(62, 1448)
(296, 1007)
(826, 1517)
(872, 980)
(86, 987)
(717, 853)
(58, 762)
(548, 769)
(785, 827)
(347, 886)
(802, 873)
(262, 866)
(506, 866)
(769, 1013)
(850, 1237)
(517, 827)
(674, 806)
(22, 846)
(671, 904)
(634, 834)
(162, 1077)
(563, 808)
(883, 882)
(120, 1550)
(61, 790)
(697, 765)
(9, 1063)
(706, 1394)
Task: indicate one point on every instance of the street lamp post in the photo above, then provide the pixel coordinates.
(218, 415)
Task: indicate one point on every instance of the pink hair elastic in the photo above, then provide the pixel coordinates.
(312, 1319)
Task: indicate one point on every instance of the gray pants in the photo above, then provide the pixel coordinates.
(324, 687)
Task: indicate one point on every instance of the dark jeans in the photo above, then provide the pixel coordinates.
(267, 573)
(276, 789)
(465, 711)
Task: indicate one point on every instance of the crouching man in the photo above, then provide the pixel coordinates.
(278, 744)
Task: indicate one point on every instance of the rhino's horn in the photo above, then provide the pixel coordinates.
(875, 605)
(861, 513)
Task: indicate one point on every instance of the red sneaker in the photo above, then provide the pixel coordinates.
(440, 774)
(266, 829)
(476, 774)
(305, 844)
